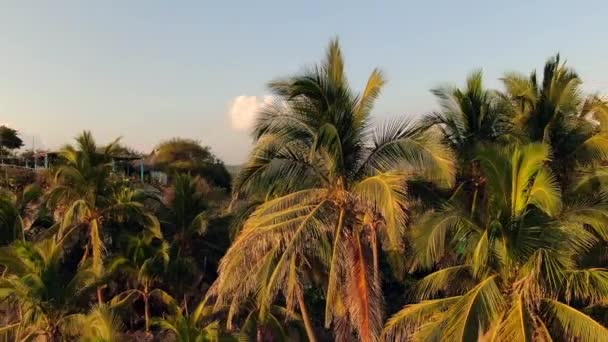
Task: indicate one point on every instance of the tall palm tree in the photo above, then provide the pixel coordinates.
(510, 270)
(185, 220)
(343, 185)
(557, 112)
(88, 198)
(186, 205)
(44, 290)
(470, 118)
(145, 260)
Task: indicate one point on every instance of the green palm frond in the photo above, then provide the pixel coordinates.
(526, 163)
(433, 234)
(99, 325)
(587, 285)
(386, 194)
(545, 193)
(469, 117)
(454, 280)
(547, 269)
(475, 312)
(403, 145)
(592, 149)
(334, 64)
(591, 212)
(521, 89)
(567, 322)
(372, 90)
(413, 316)
(596, 108)
(519, 323)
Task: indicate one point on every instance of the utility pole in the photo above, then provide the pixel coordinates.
(34, 150)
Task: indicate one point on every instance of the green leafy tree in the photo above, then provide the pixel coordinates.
(9, 139)
(344, 186)
(189, 156)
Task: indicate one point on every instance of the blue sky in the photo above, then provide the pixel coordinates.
(152, 70)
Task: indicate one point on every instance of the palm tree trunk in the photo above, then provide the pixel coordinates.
(310, 331)
(99, 295)
(474, 204)
(186, 304)
(374, 243)
(260, 334)
(146, 309)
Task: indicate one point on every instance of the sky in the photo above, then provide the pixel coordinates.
(148, 71)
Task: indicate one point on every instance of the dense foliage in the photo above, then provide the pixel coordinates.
(484, 220)
(188, 156)
(9, 139)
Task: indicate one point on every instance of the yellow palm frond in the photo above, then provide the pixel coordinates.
(571, 323)
(385, 193)
(405, 322)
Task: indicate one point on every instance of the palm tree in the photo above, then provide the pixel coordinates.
(11, 222)
(186, 205)
(17, 213)
(185, 220)
(343, 185)
(45, 291)
(200, 326)
(556, 112)
(100, 324)
(279, 324)
(145, 260)
(510, 270)
(89, 198)
(469, 117)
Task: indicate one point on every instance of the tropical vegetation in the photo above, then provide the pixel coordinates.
(483, 220)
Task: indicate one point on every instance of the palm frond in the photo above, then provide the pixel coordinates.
(413, 316)
(475, 312)
(452, 280)
(519, 324)
(589, 286)
(385, 193)
(567, 322)
(374, 85)
(402, 145)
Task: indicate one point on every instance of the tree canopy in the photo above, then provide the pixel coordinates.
(485, 219)
(9, 138)
(189, 156)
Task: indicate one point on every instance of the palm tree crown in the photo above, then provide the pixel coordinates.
(342, 183)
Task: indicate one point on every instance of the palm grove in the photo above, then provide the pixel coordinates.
(485, 220)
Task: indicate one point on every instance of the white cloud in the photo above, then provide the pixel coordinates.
(243, 111)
